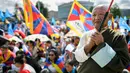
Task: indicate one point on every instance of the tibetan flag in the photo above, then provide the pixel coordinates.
(36, 22)
(79, 19)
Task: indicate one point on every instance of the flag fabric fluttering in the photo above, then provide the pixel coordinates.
(10, 30)
(79, 19)
(36, 22)
(123, 24)
(114, 24)
(125, 18)
(2, 17)
(8, 14)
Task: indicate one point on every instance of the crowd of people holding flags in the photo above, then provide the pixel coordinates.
(56, 47)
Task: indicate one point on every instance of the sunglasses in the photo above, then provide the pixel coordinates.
(51, 54)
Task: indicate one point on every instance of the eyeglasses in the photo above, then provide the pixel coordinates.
(51, 54)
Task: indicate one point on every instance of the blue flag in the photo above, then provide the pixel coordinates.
(53, 21)
(10, 30)
(123, 24)
(8, 14)
(2, 16)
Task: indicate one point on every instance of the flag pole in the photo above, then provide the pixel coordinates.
(106, 14)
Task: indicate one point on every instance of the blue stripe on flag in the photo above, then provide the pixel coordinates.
(44, 29)
(88, 15)
(81, 10)
(89, 22)
(75, 12)
(34, 9)
(36, 23)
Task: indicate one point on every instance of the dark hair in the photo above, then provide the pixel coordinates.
(20, 45)
(1, 32)
(11, 48)
(49, 42)
(37, 39)
(19, 59)
(32, 42)
(20, 53)
(70, 62)
(56, 54)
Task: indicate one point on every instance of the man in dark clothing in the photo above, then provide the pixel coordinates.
(30, 61)
(128, 37)
(102, 52)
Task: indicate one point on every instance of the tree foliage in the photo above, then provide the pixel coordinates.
(40, 6)
(115, 10)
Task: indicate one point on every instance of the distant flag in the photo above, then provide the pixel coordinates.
(2, 17)
(55, 29)
(53, 21)
(38, 24)
(125, 18)
(79, 19)
(8, 14)
(117, 18)
(123, 24)
(113, 24)
(10, 30)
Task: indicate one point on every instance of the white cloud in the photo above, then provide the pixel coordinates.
(53, 4)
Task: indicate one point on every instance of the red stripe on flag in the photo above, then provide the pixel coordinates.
(88, 26)
(35, 16)
(73, 17)
(88, 18)
(84, 13)
(76, 7)
(49, 28)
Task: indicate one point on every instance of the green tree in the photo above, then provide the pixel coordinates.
(115, 10)
(40, 6)
(91, 8)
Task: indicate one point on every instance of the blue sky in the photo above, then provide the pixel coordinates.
(53, 4)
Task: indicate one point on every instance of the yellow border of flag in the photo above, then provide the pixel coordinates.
(29, 22)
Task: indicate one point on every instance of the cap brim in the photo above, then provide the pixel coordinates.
(3, 40)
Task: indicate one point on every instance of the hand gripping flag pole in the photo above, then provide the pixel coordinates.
(101, 25)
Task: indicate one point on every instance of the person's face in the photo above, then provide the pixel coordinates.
(3, 50)
(29, 44)
(76, 42)
(38, 42)
(98, 15)
(52, 56)
(69, 68)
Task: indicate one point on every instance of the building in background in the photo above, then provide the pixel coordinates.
(64, 9)
(53, 14)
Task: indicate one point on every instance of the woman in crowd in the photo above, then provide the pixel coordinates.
(6, 57)
(70, 67)
(32, 48)
(54, 63)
